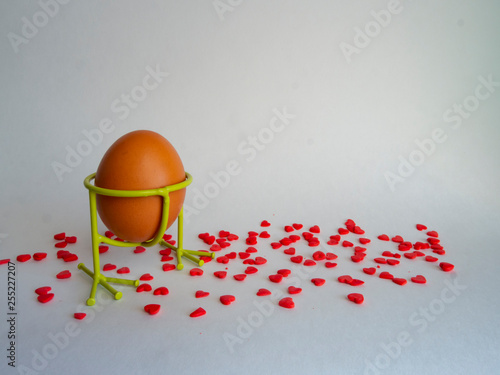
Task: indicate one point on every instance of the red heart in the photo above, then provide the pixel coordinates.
(215, 248)
(294, 290)
(168, 267)
(285, 241)
(244, 255)
(383, 237)
(43, 290)
(357, 258)
(223, 245)
(330, 264)
(146, 277)
(220, 241)
(250, 270)
(386, 275)
(446, 267)
(139, 249)
(252, 234)
(314, 229)
(419, 279)
(314, 242)
(439, 251)
(429, 258)
(276, 278)
(167, 237)
(109, 234)
(201, 294)
(144, 288)
(290, 251)
(370, 271)
(61, 245)
(358, 230)
(397, 239)
(284, 272)
(421, 227)
(71, 239)
(108, 267)
(287, 303)
(350, 222)
(240, 277)
(392, 262)
(289, 228)
(161, 291)
(356, 282)
(347, 244)
(103, 249)
(332, 242)
(343, 231)
(202, 236)
(39, 256)
(410, 255)
(227, 299)
(198, 312)
(260, 260)
(297, 226)
(251, 250)
(318, 281)
(433, 233)
(64, 274)
(399, 281)
(222, 259)
(224, 233)
(276, 245)
(60, 236)
(220, 274)
(319, 255)
(380, 260)
(152, 308)
(364, 241)
(44, 298)
(297, 259)
(249, 261)
(263, 292)
(126, 270)
(307, 236)
(265, 223)
(346, 279)
(264, 234)
(294, 238)
(80, 315)
(387, 254)
(23, 258)
(70, 257)
(309, 263)
(331, 256)
(165, 252)
(232, 237)
(196, 272)
(209, 240)
(356, 298)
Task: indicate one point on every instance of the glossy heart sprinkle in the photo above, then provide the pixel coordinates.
(43, 290)
(251, 270)
(364, 241)
(196, 272)
(430, 258)
(297, 259)
(23, 258)
(286, 241)
(227, 299)
(410, 255)
(144, 288)
(108, 267)
(265, 223)
(222, 259)
(264, 234)
(248, 261)
(383, 237)
(287, 303)
(330, 264)
(290, 251)
(71, 239)
(240, 277)
(370, 271)
(289, 228)
(263, 292)
(380, 260)
(386, 275)
(64, 274)
(399, 281)
(79, 316)
(139, 249)
(357, 258)
(318, 282)
(284, 272)
(276, 245)
(343, 231)
(309, 263)
(201, 294)
(161, 291)
(419, 279)
(421, 227)
(446, 267)
(358, 230)
(165, 252)
(70, 257)
(356, 298)
(276, 278)
(60, 236)
(39, 256)
(433, 233)
(392, 262)
(198, 312)
(220, 274)
(331, 256)
(109, 234)
(294, 290)
(44, 298)
(243, 255)
(251, 250)
(103, 249)
(297, 226)
(347, 244)
(356, 282)
(314, 229)
(123, 270)
(346, 279)
(146, 277)
(152, 309)
(168, 267)
(61, 245)
(260, 260)
(319, 255)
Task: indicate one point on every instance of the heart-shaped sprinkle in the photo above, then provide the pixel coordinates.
(109, 234)
(220, 274)
(446, 267)
(200, 311)
(370, 271)
(439, 251)
(232, 237)
(62, 253)
(103, 249)
(290, 251)
(152, 309)
(227, 299)
(23, 258)
(294, 238)
(209, 240)
(294, 290)
(383, 237)
(364, 241)
(263, 292)
(358, 230)
(202, 236)
(380, 260)
(249, 261)
(419, 279)
(276, 245)
(430, 258)
(314, 229)
(285, 241)
(387, 254)
(108, 267)
(144, 288)
(240, 277)
(356, 298)
(161, 291)
(319, 255)
(64, 274)
(139, 249)
(39, 256)
(307, 236)
(357, 258)
(123, 270)
(252, 234)
(276, 278)
(330, 264)
(146, 277)
(223, 245)
(289, 228)
(224, 233)
(165, 252)
(251, 250)
(260, 260)
(317, 281)
(167, 237)
(265, 223)
(79, 315)
(287, 303)
(397, 239)
(433, 241)
(410, 255)
(43, 290)
(309, 263)
(284, 272)
(433, 233)
(399, 281)
(264, 234)
(332, 242)
(196, 272)
(61, 245)
(60, 236)
(44, 298)
(215, 248)
(251, 270)
(346, 279)
(201, 294)
(71, 239)
(349, 222)
(347, 244)
(392, 262)
(297, 226)
(168, 267)
(331, 256)
(343, 231)
(421, 227)
(297, 259)
(70, 257)
(386, 275)
(222, 259)
(404, 247)
(356, 282)
(243, 255)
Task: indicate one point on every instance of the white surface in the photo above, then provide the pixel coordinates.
(353, 122)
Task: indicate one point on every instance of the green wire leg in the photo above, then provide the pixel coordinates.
(189, 254)
(103, 280)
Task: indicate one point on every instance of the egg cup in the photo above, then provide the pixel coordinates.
(97, 239)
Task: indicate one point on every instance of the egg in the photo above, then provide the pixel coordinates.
(139, 160)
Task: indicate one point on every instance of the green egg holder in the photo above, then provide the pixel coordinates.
(97, 239)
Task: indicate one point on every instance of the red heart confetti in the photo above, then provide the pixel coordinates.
(383, 237)
(144, 288)
(347, 244)
(392, 262)
(358, 230)
(249, 261)
(332, 242)
(43, 290)
(433, 233)
(345, 279)
(399, 281)
(264, 234)
(146, 277)
(240, 277)
(357, 258)
(331, 256)
(294, 290)
(297, 226)
(421, 227)
(60, 236)
(251, 270)
(139, 249)
(356, 298)
(430, 258)
(289, 251)
(260, 260)
(309, 263)
(201, 294)
(222, 259)
(364, 241)
(446, 267)
(284, 272)
(289, 228)
(276, 278)
(297, 259)
(196, 272)
(108, 267)
(380, 260)
(168, 267)
(200, 311)
(287, 303)
(343, 231)
(39, 256)
(244, 255)
(318, 282)
(123, 270)
(79, 315)
(23, 258)
(439, 251)
(397, 239)
(294, 238)
(314, 229)
(330, 264)
(152, 309)
(61, 245)
(251, 250)
(227, 299)
(370, 271)
(386, 275)
(410, 255)
(224, 233)
(286, 241)
(232, 237)
(419, 279)
(263, 292)
(71, 239)
(161, 291)
(64, 274)
(165, 252)
(220, 274)
(103, 249)
(356, 282)
(319, 255)
(70, 257)
(265, 223)
(109, 234)
(44, 298)
(276, 245)
(215, 248)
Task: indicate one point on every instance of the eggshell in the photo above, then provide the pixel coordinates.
(139, 160)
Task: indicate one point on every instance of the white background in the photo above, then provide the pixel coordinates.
(355, 119)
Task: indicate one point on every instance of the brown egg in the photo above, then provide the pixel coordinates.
(139, 160)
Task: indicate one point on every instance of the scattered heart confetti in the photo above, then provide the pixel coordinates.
(297, 226)
(346, 279)
(264, 234)
(243, 255)
(446, 267)
(123, 270)
(200, 311)
(433, 233)
(319, 255)
(392, 262)
(357, 258)
(287, 303)
(71, 239)
(251, 250)
(161, 291)
(399, 281)
(358, 230)
(314, 229)
(240, 277)
(284, 272)
(220, 274)
(421, 227)
(196, 272)
(43, 290)
(410, 255)
(4, 261)
(61, 245)
(201, 294)
(249, 261)
(276, 278)
(168, 267)
(309, 263)
(152, 309)
(386, 275)
(222, 259)
(380, 260)
(297, 259)
(263, 292)
(109, 234)
(79, 315)
(343, 231)
(139, 249)
(383, 237)
(276, 245)
(331, 256)
(44, 298)
(108, 267)
(60, 236)
(294, 290)
(356, 298)
(265, 223)
(430, 258)
(397, 239)
(356, 282)
(419, 279)
(286, 241)
(260, 260)
(39, 256)
(64, 274)
(146, 277)
(251, 270)
(144, 288)
(347, 243)
(330, 264)
(165, 252)
(227, 299)
(289, 228)
(364, 241)
(318, 282)
(70, 257)
(370, 271)
(23, 258)
(103, 249)
(290, 251)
